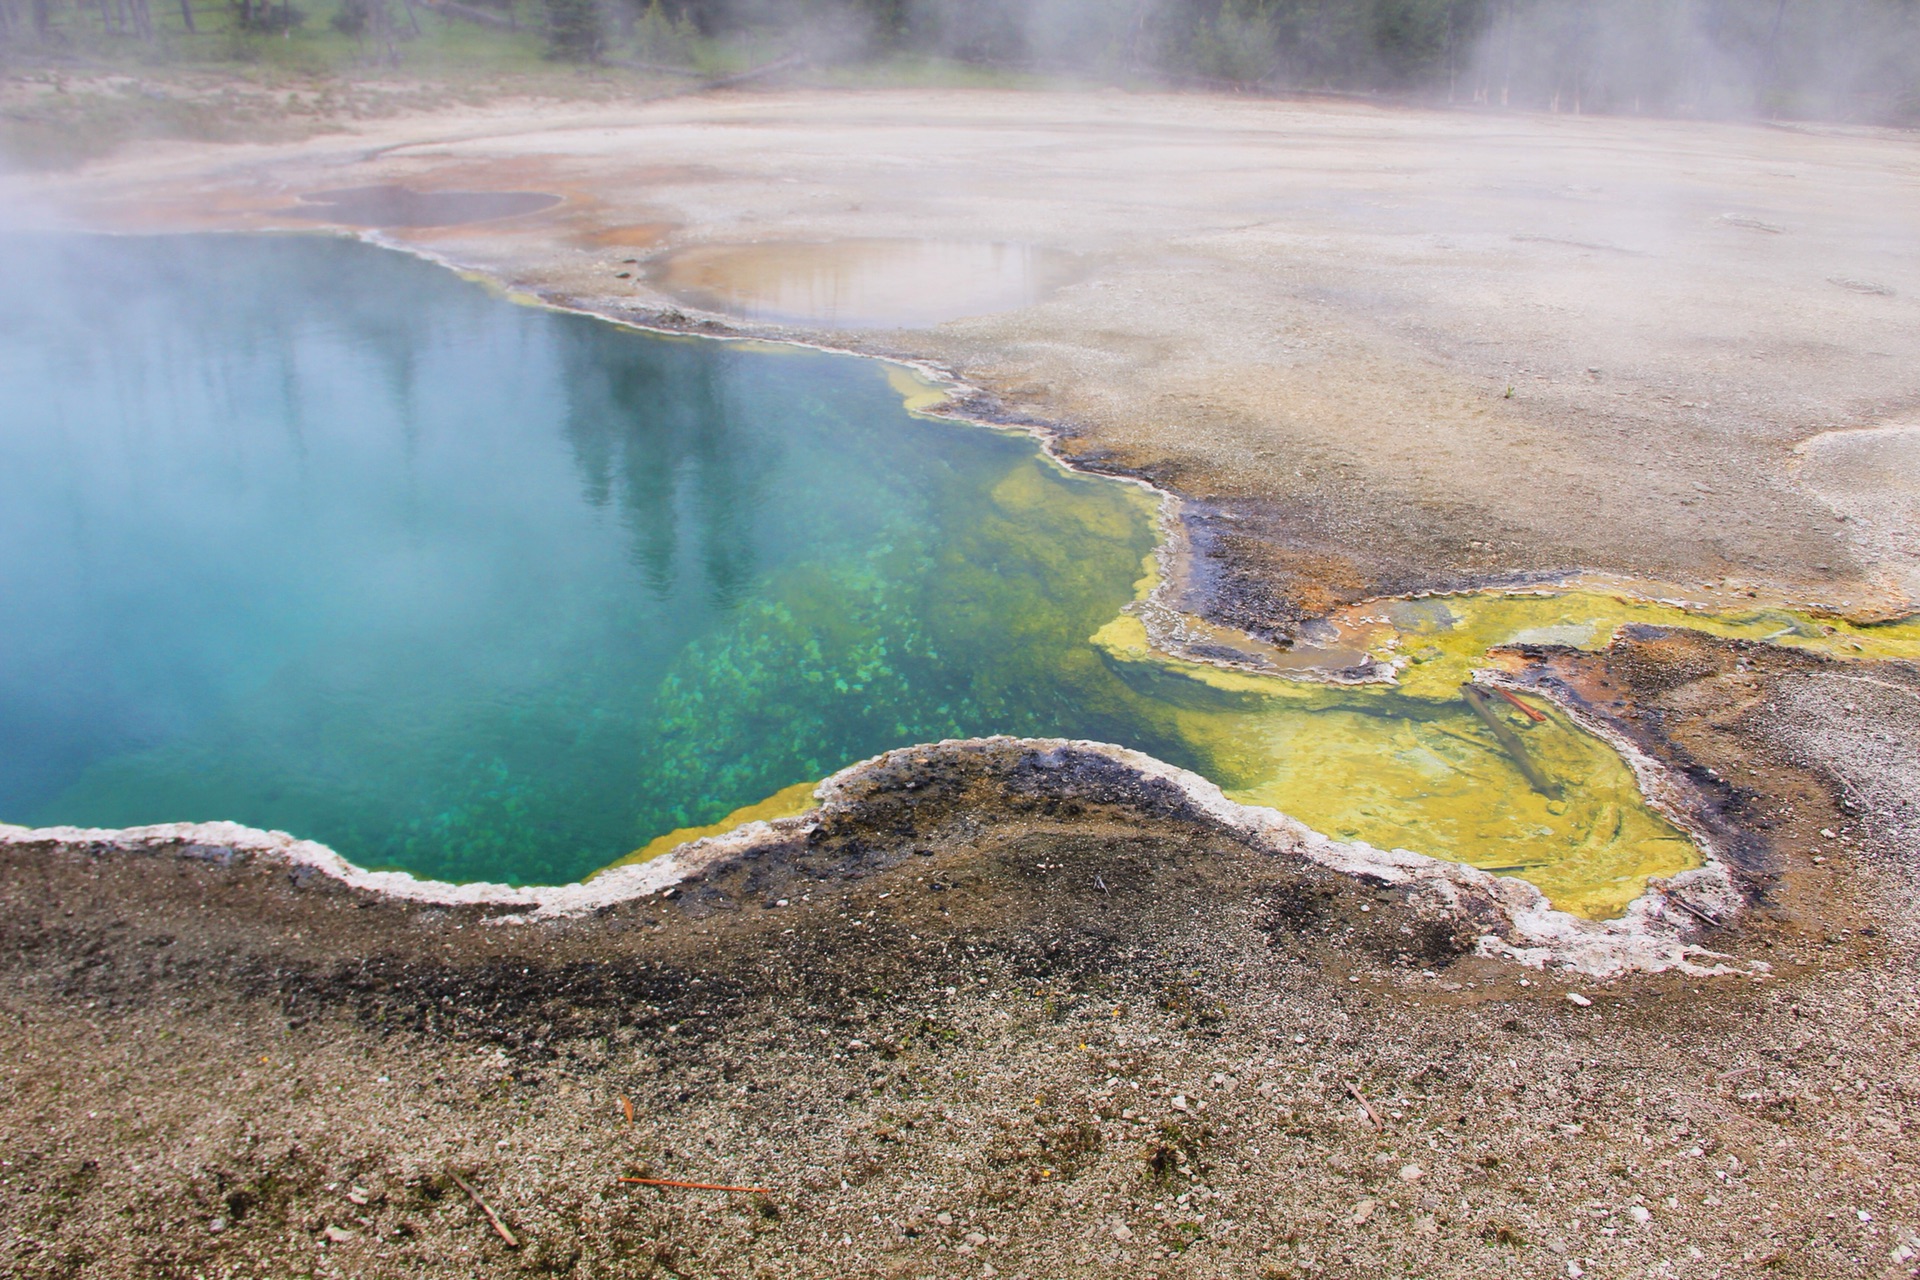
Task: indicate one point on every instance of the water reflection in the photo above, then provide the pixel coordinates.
(653, 434)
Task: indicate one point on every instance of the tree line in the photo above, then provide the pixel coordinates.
(1849, 59)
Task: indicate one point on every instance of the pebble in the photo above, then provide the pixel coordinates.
(337, 1235)
(1123, 1232)
(1412, 1173)
(1363, 1211)
(1640, 1213)
(1574, 997)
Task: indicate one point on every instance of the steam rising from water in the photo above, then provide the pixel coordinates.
(1847, 59)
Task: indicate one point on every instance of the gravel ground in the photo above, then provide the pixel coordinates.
(995, 1029)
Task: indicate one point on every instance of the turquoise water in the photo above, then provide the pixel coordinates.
(317, 537)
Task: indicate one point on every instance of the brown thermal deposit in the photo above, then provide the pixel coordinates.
(1044, 1009)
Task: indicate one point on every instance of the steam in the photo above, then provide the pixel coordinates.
(1835, 59)
(1845, 59)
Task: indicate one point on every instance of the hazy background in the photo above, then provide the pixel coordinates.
(1854, 60)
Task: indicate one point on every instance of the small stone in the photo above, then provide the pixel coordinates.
(1363, 1211)
(856, 1045)
(1574, 997)
(1412, 1173)
(1123, 1233)
(357, 1194)
(975, 1239)
(1574, 1271)
(944, 1219)
(1179, 1102)
(218, 1224)
(337, 1235)
(1640, 1213)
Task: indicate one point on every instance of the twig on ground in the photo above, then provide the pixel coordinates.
(454, 9)
(1686, 906)
(487, 1209)
(698, 1186)
(1372, 1119)
(791, 62)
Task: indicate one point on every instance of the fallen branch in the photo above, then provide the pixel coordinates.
(487, 1209)
(1476, 700)
(658, 68)
(454, 9)
(1525, 710)
(698, 1186)
(1686, 906)
(787, 63)
(1372, 1119)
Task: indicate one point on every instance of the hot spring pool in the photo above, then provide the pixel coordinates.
(313, 536)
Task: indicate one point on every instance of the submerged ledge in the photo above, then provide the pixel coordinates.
(1508, 918)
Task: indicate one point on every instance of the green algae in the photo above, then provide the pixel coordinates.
(1454, 633)
(1377, 763)
(1415, 766)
